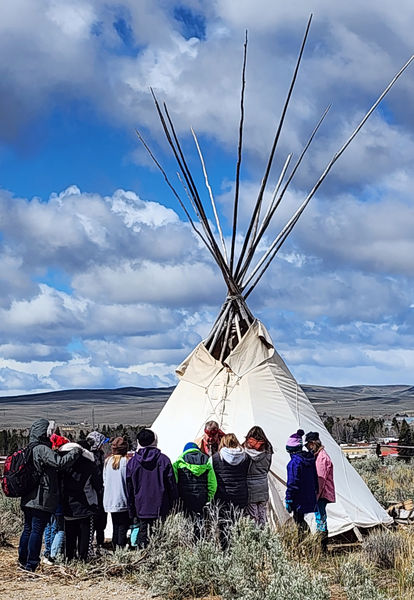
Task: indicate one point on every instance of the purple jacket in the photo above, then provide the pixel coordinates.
(151, 485)
(302, 482)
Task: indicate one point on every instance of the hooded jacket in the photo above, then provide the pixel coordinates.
(151, 485)
(195, 478)
(231, 466)
(257, 483)
(80, 485)
(45, 496)
(302, 482)
(324, 469)
(115, 489)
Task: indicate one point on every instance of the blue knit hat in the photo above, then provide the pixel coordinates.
(190, 446)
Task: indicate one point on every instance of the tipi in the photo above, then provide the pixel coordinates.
(235, 376)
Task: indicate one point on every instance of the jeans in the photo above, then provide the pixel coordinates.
(50, 532)
(30, 544)
(59, 539)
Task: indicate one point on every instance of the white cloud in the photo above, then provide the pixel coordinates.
(115, 290)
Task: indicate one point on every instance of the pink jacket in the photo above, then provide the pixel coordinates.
(324, 468)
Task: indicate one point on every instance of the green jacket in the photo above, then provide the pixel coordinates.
(195, 478)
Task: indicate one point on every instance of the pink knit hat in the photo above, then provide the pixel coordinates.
(295, 440)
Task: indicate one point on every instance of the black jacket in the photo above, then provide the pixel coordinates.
(48, 463)
(196, 480)
(80, 486)
(231, 466)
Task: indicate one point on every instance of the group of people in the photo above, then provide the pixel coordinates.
(79, 486)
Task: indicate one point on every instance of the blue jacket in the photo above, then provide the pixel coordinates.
(302, 482)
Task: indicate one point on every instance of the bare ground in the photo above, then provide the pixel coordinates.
(52, 583)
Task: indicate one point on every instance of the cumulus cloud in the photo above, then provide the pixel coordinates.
(116, 290)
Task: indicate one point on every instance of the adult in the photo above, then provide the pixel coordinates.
(210, 441)
(195, 479)
(80, 486)
(231, 465)
(115, 500)
(302, 481)
(42, 501)
(152, 490)
(259, 449)
(326, 492)
(96, 442)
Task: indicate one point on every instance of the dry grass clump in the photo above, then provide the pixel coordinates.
(10, 519)
(382, 548)
(257, 567)
(357, 580)
(179, 564)
(390, 482)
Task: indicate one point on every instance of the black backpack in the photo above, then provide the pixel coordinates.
(20, 476)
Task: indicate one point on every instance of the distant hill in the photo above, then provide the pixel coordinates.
(141, 405)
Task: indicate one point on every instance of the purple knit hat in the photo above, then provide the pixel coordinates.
(295, 440)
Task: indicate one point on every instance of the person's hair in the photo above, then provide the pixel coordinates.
(229, 441)
(317, 444)
(115, 460)
(211, 425)
(258, 434)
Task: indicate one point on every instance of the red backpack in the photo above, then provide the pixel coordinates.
(19, 474)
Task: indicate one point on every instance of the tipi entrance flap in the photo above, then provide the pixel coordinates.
(199, 367)
(255, 348)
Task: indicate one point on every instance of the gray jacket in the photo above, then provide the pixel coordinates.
(257, 483)
(47, 462)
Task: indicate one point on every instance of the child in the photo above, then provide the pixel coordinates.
(55, 530)
(260, 451)
(115, 491)
(326, 494)
(302, 481)
(80, 487)
(195, 478)
(152, 489)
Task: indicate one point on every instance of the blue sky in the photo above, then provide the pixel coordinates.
(102, 283)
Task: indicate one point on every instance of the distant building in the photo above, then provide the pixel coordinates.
(361, 450)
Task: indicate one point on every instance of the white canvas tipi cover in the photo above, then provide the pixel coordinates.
(256, 388)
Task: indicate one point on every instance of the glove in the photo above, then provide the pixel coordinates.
(288, 505)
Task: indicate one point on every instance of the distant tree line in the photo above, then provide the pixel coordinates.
(13, 439)
(353, 430)
(343, 430)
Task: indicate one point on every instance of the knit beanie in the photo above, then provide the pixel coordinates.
(119, 446)
(146, 437)
(312, 436)
(191, 446)
(294, 442)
